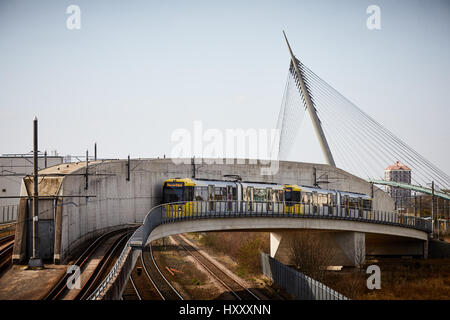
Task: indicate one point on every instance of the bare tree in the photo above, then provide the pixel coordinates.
(360, 252)
(311, 253)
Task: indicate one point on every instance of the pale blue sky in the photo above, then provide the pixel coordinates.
(138, 70)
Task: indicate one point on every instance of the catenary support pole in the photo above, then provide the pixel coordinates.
(432, 208)
(128, 168)
(86, 185)
(35, 260)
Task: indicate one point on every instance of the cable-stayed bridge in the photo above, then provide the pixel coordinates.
(349, 138)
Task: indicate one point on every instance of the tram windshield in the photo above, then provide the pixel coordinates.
(173, 192)
(291, 196)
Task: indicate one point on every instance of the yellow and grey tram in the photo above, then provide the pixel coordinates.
(190, 196)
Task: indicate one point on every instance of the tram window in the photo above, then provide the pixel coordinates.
(230, 193)
(269, 198)
(367, 204)
(173, 194)
(288, 194)
(280, 195)
(259, 195)
(296, 196)
(247, 193)
(211, 192)
(220, 194)
(331, 199)
(275, 196)
(306, 197)
(250, 198)
(201, 193)
(189, 194)
(314, 198)
(350, 202)
(344, 200)
(269, 194)
(211, 197)
(353, 203)
(322, 199)
(234, 193)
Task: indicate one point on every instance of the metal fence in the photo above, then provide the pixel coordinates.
(120, 273)
(221, 209)
(296, 283)
(8, 213)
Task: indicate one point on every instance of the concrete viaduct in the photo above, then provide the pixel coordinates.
(80, 202)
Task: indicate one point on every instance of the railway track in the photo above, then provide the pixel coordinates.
(6, 245)
(235, 288)
(163, 287)
(60, 290)
(140, 286)
(103, 267)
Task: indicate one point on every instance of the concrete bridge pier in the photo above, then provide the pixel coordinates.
(334, 248)
(387, 245)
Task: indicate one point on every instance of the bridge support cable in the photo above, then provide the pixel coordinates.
(354, 126)
(359, 143)
(290, 117)
(379, 134)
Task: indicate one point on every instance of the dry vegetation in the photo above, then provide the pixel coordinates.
(243, 247)
(404, 280)
(191, 281)
(400, 278)
(414, 279)
(310, 256)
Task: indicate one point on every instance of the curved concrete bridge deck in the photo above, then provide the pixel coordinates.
(345, 232)
(169, 219)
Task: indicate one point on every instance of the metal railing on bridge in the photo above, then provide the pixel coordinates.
(173, 212)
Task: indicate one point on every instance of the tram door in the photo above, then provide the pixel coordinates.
(230, 198)
(346, 204)
(269, 196)
(250, 198)
(315, 202)
(211, 197)
(360, 207)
